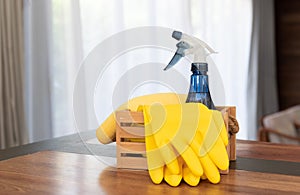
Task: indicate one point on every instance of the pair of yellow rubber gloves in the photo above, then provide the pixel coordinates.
(183, 141)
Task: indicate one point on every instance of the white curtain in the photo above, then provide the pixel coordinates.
(60, 34)
(53, 54)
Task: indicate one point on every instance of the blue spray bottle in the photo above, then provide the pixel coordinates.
(199, 88)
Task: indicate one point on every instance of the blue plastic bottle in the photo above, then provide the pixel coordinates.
(199, 88)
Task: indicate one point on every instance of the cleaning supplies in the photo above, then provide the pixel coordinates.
(210, 152)
(183, 141)
(199, 88)
(190, 131)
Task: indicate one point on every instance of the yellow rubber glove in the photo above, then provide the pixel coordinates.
(212, 144)
(106, 132)
(169, 127)
(204, 131)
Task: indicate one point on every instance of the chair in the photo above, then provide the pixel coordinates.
(281, 127)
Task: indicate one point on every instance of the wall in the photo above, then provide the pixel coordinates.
(287, 20)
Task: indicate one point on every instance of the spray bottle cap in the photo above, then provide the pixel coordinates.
(202, 67)
(189, 45)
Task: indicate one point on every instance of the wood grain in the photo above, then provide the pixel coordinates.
(267, 151)
(51, 172)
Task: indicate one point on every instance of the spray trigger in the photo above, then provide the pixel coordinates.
(181, 47)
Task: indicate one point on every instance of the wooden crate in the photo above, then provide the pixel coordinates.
(130, 139)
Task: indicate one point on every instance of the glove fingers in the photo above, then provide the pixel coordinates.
(189, 177)
(197, 145)
(224, 135)
(214, 145)
(170, 158)
(157, 175)
(219, 156)
(173, 179)
(173, 167)
(210, 135)
(210, 170)
(219, 121)
(192, 161)
(106, 132)
(158, 157)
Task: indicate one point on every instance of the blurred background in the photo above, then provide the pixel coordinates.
(45, 42)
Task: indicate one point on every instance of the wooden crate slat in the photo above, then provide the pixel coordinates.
(132, 132)
(132, 146)
(129, 117)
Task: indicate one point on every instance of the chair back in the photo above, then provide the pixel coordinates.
(283, 122)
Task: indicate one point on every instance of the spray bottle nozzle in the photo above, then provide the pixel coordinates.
(181, 47)
(177, 35)
(189, 45)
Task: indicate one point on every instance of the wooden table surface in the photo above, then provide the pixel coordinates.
(69, 166)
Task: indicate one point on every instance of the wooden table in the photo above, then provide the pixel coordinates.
(67, 166)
